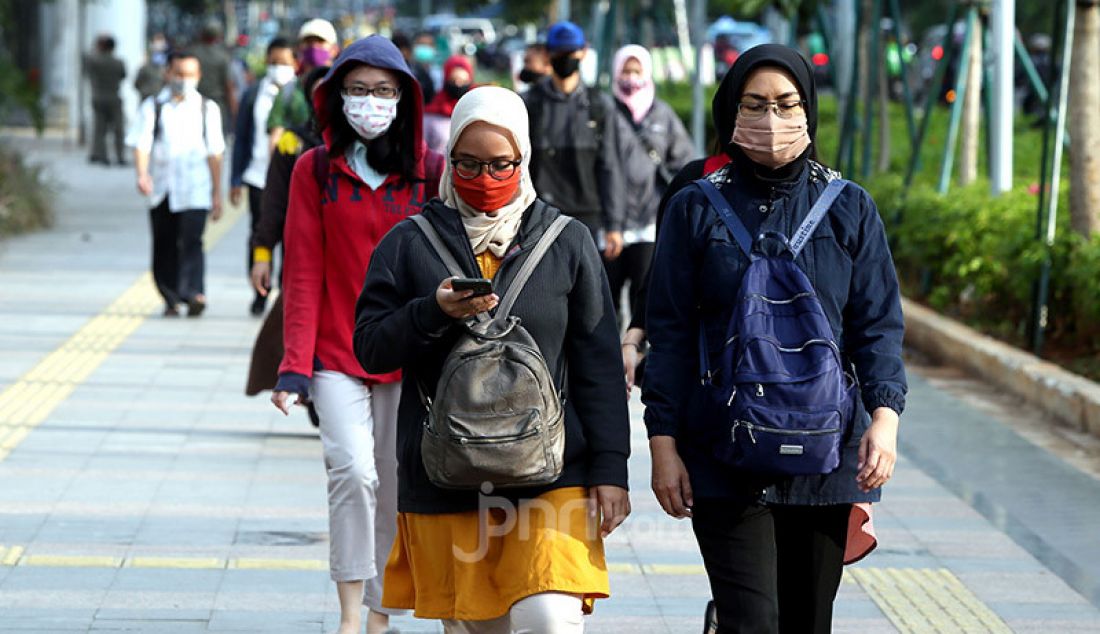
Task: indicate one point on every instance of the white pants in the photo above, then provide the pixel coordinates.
(359, 440)
(545, 613)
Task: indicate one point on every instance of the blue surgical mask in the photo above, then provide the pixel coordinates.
(424, 53)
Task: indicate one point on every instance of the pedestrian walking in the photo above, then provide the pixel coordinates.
(178, 147)
(217, 74)
(317, 46)
(536, 65)
(267, 352)
(372, 171)
(458, 79)
(540, 570)
(656, 149)
(574, 138)
(105, 74)
(759, 431)
(420, 61)
(251, 147)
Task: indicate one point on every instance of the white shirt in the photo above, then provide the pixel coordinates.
(178, 157)
(356, 156)
(256, 172)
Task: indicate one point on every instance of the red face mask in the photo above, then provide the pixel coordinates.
(485, 193)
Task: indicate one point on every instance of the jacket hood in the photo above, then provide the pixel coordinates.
(724, 105)
(380, 52)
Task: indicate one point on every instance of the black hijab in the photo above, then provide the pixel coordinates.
(724, 105)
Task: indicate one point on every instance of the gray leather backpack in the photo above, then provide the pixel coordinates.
(496, 417)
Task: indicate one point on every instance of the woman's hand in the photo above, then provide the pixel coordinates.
(462, 304)
(610, 502)
(631, 350)
(261, 277)
(285, 400)
(670, 482)
(878, 450)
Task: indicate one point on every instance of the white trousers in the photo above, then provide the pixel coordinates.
(545, 613)
(359, 440)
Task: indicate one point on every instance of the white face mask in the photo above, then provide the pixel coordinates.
(369, 115)
(184, 87)
(280, 74)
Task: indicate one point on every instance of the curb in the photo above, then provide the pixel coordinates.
(1071, 398)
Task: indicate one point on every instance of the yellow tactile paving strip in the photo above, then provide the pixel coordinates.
(34, 396)
(927, 600)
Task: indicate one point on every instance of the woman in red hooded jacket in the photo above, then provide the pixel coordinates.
(458, 79)
(372, 171)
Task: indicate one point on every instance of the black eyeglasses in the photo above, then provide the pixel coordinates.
(385, 91)
(786, 109)
(499, 169)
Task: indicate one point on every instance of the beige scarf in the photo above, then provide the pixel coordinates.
(500, 107)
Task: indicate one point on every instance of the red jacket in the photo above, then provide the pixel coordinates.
(330, 235)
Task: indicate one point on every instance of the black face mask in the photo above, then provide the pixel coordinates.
(529, 76)
(455, 91)
(565, 65)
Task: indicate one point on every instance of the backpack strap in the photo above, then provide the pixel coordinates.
(436, 241)
(817, 213)
(541, 247)
(737, 228)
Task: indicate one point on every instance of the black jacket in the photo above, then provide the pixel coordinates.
(574, 153)
(566, 307)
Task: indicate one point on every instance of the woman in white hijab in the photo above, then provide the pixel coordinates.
(513, 560)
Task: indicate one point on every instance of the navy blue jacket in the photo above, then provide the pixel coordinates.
(695, 276)
(245, 135)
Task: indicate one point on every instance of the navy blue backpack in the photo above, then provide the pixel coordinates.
(785, 401)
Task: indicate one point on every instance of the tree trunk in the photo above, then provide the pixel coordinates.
(972, 110)
(1084, 122)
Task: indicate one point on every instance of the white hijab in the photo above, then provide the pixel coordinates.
(504, 108)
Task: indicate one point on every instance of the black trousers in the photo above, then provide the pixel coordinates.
(178, 260)
(255, 197)
(772, 569)
(632, 265)
(107, 117)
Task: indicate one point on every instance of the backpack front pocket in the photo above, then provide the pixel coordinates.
(514, 452)
(784, 442)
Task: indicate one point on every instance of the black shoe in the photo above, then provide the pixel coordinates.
(195, 306)
(171, 311)
(258, 306)
(123, 163)
(97, 160)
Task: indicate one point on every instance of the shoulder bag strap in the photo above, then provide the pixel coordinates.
(729, 218)
(817, 213)
(541, 247)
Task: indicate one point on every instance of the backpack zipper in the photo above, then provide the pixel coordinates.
(775, 430)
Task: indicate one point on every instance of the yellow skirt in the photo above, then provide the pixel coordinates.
(474, 565)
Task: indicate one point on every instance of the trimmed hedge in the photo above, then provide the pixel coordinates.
(25, 202)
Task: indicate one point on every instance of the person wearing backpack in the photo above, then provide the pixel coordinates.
(575, 138)
(649, 157)
(512, 404)
(178, 148)
(372, 171)
(774, 385)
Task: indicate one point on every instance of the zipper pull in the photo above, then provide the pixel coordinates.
(752, 436)
(759, 390)
(729, 403)
(733, 432)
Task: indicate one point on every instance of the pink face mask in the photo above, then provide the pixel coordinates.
(771, 140)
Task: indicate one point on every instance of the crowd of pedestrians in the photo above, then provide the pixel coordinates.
(473, 280)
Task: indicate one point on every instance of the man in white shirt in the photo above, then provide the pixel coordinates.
(178, 147)
(251, 149)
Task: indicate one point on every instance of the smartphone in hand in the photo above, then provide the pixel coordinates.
(479, 285)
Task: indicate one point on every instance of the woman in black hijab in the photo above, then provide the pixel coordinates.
(774, 546)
